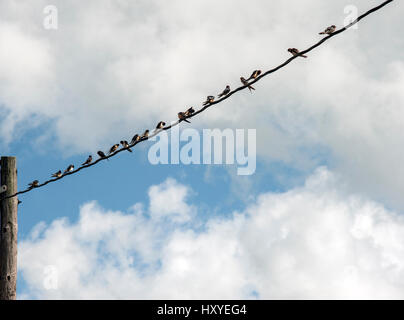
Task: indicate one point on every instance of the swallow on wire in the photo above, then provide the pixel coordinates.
(296, 52)
(33, 184)
(189, 112)
(57, 174)
(88, 161)
(160, 125)
(113, 148)
(125, 144)
(225, 92)
(209, 100)
(145, 135)
(102, 155)
(69, 169)
(255, 74)
(182, 117)
(135, 139)
(245, 82)
(329, 30)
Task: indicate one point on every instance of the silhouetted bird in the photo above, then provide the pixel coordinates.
(88, 161)
(245, 82)
(57, 174)
(255, 74)
(145, 135)
(182, 117)
(296, 52)
(33, 184)
(329, 30)
(160, 125)
(225, 92)
(101, 154)
(189, 112)
(113, 148)
(209, 99)
(125, 144)
(69, 169)
(135, 139)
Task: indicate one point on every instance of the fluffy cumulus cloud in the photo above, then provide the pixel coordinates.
(174, 194)
(26, 79)
(314, 241)
(113, 68)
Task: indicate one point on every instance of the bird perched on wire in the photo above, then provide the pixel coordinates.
(329, 30)
(69, 169)
(160, 125)
(88, 161)
(125, 144)
(225, 92)
(209, 99)
(255, 74)
(57, 174)
(101, 154)
(135, 139)
(182, 117)
(33, 184)
(245, 82)
(145, 135)
(296, 52)
(189, 112)
(113, 148)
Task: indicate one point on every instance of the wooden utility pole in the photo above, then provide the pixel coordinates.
(9, 228)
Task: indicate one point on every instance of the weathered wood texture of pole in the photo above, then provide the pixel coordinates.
(9, 228)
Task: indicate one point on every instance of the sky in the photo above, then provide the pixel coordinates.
(320, 218)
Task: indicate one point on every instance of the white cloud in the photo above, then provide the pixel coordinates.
(26, 78)
(315, 241)
(168, 199)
